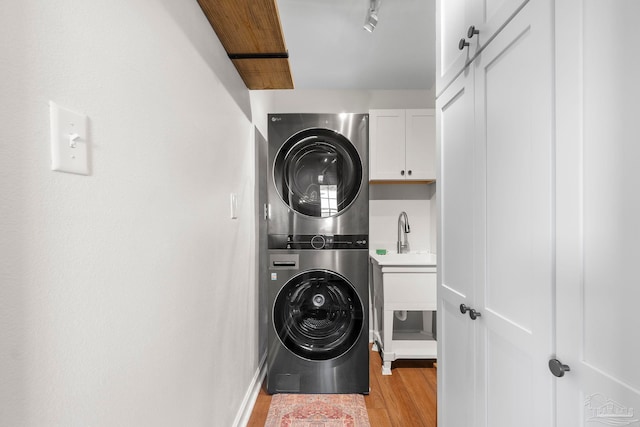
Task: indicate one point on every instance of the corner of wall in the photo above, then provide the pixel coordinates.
(248, 402)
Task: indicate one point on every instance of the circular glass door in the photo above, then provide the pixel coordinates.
(318, 173)
(318, 315)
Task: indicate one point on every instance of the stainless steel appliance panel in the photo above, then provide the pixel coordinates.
(318, 174)
(318, 334)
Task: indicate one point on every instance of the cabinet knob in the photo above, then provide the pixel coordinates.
(402, 173)
(462, 44)
(474, 314)
(409, 172)
(557, 368)
(472, 31)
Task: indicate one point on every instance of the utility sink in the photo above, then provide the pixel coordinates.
(411, 259)
(402, 282)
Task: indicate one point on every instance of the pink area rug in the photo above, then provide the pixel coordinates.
(317, 410)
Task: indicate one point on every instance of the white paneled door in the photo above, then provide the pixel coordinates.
(495, 128)
(539, 228)
(514, 107)
(598, 213)
(456, 278)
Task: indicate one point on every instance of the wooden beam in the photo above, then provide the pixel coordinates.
(247, 27)
(265, 73)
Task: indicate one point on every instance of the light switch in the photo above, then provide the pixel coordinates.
(69, 151)
(234, 206)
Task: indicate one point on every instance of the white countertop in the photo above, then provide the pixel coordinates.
(412, 259)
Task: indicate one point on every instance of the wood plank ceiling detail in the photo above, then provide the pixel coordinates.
(251, 33)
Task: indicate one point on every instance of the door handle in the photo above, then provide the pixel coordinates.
(284, 263)
(557, 368)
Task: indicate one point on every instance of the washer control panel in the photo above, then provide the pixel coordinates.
(318, 241)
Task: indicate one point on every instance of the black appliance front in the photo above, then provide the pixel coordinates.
(318, 336)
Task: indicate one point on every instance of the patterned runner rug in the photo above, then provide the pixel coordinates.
(317, 410)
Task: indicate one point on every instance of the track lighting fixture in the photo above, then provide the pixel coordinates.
(371, 20)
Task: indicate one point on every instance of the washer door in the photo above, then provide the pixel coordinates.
(318, 315)
(318, 173)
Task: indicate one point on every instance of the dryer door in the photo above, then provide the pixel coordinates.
(318, 315)
(318, 173)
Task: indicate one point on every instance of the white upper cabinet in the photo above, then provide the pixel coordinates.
(463, 28)
(420, 144)
(387, 135)
(402, 145)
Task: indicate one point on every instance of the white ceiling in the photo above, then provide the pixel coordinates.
(329, 49)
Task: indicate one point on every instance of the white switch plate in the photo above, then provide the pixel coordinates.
(69, 151)
(234, 206)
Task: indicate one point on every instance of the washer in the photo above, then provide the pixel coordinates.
(318, 297)
(319, 170)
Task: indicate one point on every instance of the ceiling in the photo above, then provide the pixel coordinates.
(329, 48)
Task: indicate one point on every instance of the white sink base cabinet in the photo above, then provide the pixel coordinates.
(396, 288)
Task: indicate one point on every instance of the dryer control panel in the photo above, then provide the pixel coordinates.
(318, 241)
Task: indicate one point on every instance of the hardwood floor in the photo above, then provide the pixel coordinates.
(406, 398)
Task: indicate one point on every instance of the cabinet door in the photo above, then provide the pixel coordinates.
(420, 144)
(597, 213)
(514, 134)
(488, 17)
(453, 20)
(387, 144)
(456, 277)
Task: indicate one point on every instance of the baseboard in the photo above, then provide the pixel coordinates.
(244, 413)
(374, 337)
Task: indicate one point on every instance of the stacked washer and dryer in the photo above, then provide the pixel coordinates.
(318, 253)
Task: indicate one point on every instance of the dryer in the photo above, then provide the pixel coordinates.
(318, 299)
(319, 171)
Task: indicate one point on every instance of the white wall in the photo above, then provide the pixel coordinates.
(386, 201)
(264, 102)
(127, 297)
(385, 204)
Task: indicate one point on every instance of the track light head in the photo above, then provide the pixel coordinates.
(370, 22)
(371, 19)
